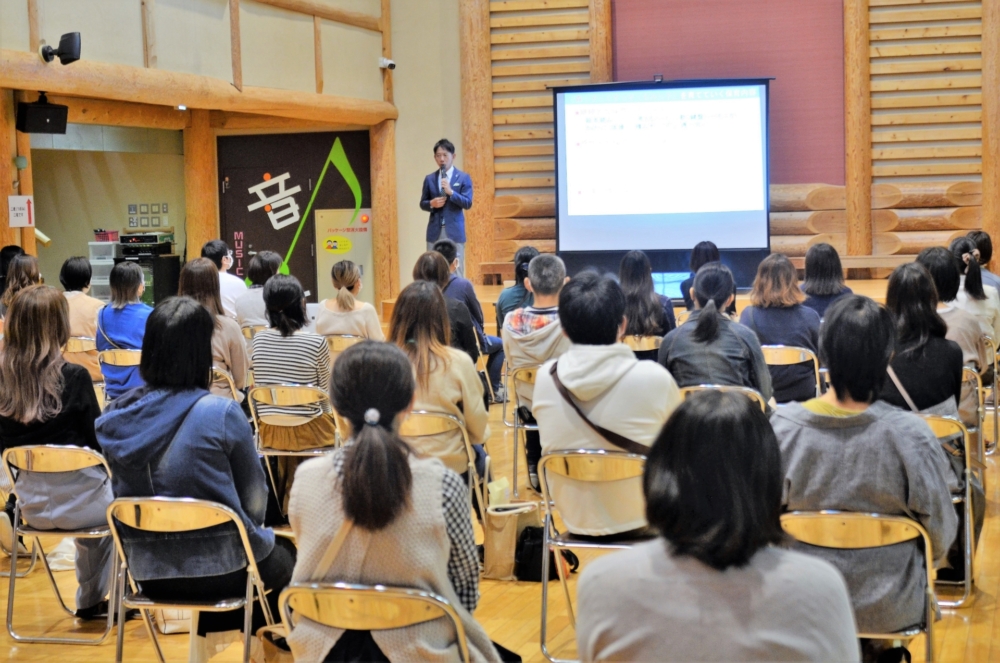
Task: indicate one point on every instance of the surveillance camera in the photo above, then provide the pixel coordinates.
(386, 63)
(68, 51)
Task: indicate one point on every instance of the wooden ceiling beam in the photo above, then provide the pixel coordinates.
(99, 80)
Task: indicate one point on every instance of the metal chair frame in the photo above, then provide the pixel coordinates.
(340, 342)
(528, 375)
(180, 514)
(367, 608)
(828, 529)
(278, 398)
(51, 458)
(77, 344)
(592, 465)
(947, 427)
(118, 357)
(506, 387)
(969, 374)
(251, 330)
(790, 355)
(639, 343)
(752, 394)
(991, 448)
(219, 375)
(6, 488)
(442, 422)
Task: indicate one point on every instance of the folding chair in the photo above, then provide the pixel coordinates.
(849, 531)
(252, 330)
(971, 376)
(286, 395)
(752, 394)
(421, 423)
(509, 423)
(340, 342)
(643, 343)
(221, 376)
(682, 317)
(77, 344)
(118, 357)
(367, 608)
(50, 458)
(991, 343)
(525, 375)
(178, 515)
(6, 488)
(790, 355)
(947, 428)
(594, 466)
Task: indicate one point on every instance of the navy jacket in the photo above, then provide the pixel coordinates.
(453, 212)
(788, 325)
(186, 443)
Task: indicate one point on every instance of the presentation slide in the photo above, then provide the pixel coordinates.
(662, 168)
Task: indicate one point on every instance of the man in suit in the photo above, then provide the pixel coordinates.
(447, 194)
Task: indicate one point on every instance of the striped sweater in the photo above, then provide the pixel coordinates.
(302, 358)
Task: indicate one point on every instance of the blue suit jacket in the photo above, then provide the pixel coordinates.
(453, 212)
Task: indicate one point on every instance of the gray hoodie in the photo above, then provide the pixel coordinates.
(533, 348)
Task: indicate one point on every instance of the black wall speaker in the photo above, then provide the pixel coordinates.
(41, 117)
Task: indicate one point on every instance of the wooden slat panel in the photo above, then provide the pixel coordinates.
(952, 152)
(505, 249)
(943, 83)
(535, 37)
(535, 5)
(926, 134)
(929, 101)
(926, 118)
(922, 15)
(544, 101)
(529, 205)
(524, 167)
(533, 69)
(540, 53)
(947, 48)
(928, 169)
(544, 228)
(541, 20)
(523, 118)
(522, 134)
(926, 33)
(524, 182)
(926, 66)
(542, 150)
(537, 85)
(890, 3)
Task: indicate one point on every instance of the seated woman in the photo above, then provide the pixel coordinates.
(516, 296)
(75, 278)
(46, 400)
(22, 273)
(250, 309)
(121, 326)
(200, 281)
(385, 498)
(710, 348)
(7, 254)
(778, 317)
(285, 354)
(735, 595)
(345, 314)
(824, 282)
(172, 438)
(702, 254)
(648, 313)
(432, 267)
(446, 378)
(980, 300)
(846, 450)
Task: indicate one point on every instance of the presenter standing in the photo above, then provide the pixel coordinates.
(447, 194)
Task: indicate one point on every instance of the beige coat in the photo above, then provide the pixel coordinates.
(83, 322)
(967, 330)
(229, 353)
(454, 388)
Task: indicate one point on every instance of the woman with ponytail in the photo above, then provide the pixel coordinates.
(710, 348)
(402, 518)
(517, 296)
(979, 300)
(345, 314)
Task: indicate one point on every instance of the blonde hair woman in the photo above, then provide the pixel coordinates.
(345, 314)
(446, 377)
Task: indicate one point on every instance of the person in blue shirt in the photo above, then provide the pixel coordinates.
(446, 195)
(121, 325)
(517, 296)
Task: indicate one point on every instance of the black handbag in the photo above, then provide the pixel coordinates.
(528, 557)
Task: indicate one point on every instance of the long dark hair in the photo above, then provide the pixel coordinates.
(200, 281)
(712, 287)
(371, 384)
(702, 254)
(721, 502)
(177, 347)
(642, 304)
(22, 273)
(420, 328)
(913, 299)
(285, 303)
(965, 250)
(824, 274)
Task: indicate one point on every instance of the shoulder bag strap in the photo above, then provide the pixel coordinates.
(100, 328)
(902, 390)
(614, 438)
(330, 556)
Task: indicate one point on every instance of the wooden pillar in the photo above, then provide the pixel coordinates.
(236, 44)
(601, 50)
(8, 172)
(385, 23)
(857, 128)
(385, 220)
(201, 183)
(27, 188)
(991, 124)
(477, 131)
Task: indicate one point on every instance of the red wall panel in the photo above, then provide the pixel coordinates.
(798, 42)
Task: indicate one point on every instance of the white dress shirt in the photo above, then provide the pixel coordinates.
(230, 289)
